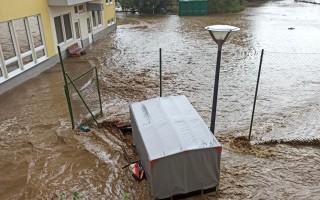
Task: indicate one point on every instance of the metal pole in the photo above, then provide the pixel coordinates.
(66, 89)
(255, 96)
(215, 92)
(160, 51)
(81, 98)
(98, 87)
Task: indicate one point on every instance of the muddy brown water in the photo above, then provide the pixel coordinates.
(42, 158)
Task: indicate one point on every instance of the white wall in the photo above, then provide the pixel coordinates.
(60, 10)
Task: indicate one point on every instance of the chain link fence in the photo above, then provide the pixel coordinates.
(288, 97)
(288, 103)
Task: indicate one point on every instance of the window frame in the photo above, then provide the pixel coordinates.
(64, 34)
(78, 10)
(75, 9)
(109, 2)
(83, 8)
(70, 24)
(95, 19)
(19, 56)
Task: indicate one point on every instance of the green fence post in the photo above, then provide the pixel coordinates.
(98, 87)
(66, 89)
(81, 98)
(255, 96)
(160, 54)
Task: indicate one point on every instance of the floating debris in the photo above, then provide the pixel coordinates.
(84, 128)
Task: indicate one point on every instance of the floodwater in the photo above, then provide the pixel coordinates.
(41, 158)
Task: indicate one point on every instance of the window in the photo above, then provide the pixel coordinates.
(81, 8)
(99, 18)
(21, 45)
(37, 36)
(89, 25)
(67, 25)
(23, 40)
(6, 41)
(109, 2)
(77, 29)
(35, 30)
(96, 18)
(63, 28)
(8, 47)
(22, 35)
(59, 32)
(1, 74)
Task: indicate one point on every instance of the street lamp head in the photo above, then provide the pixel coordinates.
(220, 33)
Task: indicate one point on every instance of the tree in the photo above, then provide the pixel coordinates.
(225, 6)
(127, 4)
(142, 6)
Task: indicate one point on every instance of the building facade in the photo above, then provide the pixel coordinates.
(31, 30)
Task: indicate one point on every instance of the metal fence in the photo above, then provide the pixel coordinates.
(288, 103)
(82, 91)
(288, 98)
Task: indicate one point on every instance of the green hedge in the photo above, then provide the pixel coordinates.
(225, 6)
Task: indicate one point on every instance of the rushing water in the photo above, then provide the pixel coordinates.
(41, 158)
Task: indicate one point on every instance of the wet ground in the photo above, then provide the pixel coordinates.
(42, 158)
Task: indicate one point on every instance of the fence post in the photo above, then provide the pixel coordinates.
(98, 87)
(66, 89)
(256, 93)
(160, 52)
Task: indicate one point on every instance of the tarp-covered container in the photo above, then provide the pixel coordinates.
(177, 150)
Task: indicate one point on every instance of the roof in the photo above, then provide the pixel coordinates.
(170, 125)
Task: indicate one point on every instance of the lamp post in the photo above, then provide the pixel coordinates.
(219, 34)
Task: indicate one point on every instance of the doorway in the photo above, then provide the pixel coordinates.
(78, 33)
(89, 30)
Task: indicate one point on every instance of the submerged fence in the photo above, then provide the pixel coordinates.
(82, 91)
(287, 101)
(288, 96)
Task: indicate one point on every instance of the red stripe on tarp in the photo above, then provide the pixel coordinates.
(152, 162)
(186, 152)
(219, 149)
(136, 170)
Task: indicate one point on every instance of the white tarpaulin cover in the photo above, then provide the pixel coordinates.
(177, 150)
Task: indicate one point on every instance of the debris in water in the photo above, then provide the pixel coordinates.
(84, 128)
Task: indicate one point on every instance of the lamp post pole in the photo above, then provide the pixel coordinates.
(219, 34)
(215, 91)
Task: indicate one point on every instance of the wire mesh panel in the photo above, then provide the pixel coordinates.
(192, 73)
(288, 104)
(83, 90)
